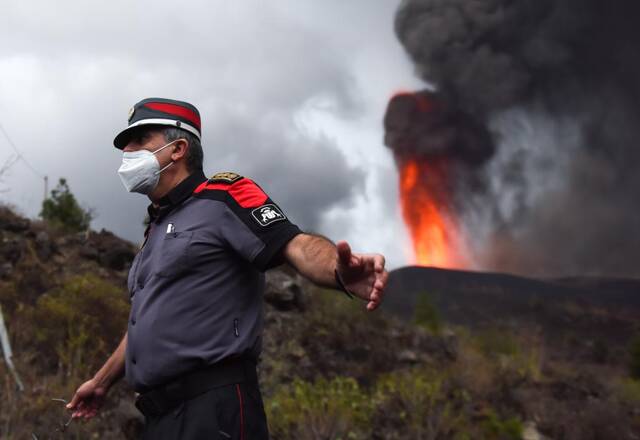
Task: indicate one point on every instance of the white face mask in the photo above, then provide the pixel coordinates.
(140, 170)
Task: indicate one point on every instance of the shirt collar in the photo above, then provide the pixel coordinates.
(177, 195)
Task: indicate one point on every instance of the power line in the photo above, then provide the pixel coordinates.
(20, 155)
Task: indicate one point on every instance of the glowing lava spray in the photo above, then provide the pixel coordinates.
(436, 149)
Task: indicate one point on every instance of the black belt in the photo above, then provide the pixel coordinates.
(164, 398)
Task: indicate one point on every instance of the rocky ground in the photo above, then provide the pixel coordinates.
(330, 370)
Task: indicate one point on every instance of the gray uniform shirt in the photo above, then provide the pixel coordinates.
(196, 285)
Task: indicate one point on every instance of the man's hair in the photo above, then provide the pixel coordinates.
(194, 154)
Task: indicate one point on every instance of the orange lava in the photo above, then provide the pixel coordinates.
(426, 211)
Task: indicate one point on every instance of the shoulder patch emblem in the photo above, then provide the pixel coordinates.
(267, 214)
(226, 177)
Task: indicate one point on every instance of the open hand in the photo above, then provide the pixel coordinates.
(363, 274)
(87, 400)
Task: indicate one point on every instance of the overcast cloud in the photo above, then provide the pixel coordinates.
(291, 93)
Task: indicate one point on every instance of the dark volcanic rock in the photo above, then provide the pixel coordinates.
(109, 250)
(45, 247)
(131, 421)
(283, 291)
(11, 222)
(11, 250)
(89, 252)
(6, 269)
(32, 282)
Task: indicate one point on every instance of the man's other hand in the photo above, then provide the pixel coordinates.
(363, 274)
(87, 400)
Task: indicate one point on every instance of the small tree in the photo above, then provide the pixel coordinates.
(62, 210)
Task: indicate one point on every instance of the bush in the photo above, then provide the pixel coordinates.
(80, 323)
(496, 428)
(425, 404)
(494, 343)
(319, 410)
(426, 315)
(472, 370)
(62, 210)
(628, 391)
(516, 357)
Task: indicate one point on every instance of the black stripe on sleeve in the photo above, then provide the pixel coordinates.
(274, 235)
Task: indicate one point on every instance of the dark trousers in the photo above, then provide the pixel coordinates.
(233, 411)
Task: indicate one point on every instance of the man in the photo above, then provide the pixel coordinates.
(196, 285)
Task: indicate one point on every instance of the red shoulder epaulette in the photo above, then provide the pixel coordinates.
(241, 189)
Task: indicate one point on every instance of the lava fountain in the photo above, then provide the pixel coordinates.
(425, 209)
(436, 149)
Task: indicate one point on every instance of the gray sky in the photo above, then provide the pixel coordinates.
(291, 93)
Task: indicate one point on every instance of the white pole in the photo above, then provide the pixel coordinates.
(6, 350)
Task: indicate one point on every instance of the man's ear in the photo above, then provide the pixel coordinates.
(179, 149)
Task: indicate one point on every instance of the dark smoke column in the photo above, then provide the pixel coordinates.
(557, 82)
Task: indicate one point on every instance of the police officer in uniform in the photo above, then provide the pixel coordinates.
(194, 333)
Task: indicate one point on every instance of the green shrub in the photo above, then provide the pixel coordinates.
(424, 402)
(80, 323)
(62, 210)
(495, 342)
(319, 410)
(516, 357)
(496, 428)
(628, 391)
(426, 315)
(9, 296)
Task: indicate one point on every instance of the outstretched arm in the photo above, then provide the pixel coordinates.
(318, 259)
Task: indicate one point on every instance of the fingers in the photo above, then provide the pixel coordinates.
(377, 292)
(364, 273)
(78, 404)
(90, 413)
(344, 253)
(85, 402)
(74, 401)
(384, 278)
(374, 300)
(86, 409)
(371, 262)
(79, 410)
(378, 263)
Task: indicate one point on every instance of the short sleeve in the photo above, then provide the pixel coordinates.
(253, 225)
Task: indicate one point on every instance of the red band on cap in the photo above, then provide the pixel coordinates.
(176, 110)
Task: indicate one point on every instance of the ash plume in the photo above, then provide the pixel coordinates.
(557, 83)
(424, 125)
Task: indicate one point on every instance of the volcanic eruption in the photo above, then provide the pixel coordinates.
(524, 158)
(436, 148)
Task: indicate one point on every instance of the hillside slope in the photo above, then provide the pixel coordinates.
(478, 357)
(573, 314)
